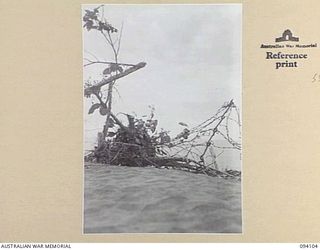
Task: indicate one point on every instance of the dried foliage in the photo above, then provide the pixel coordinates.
(141, 143)
(91, 21)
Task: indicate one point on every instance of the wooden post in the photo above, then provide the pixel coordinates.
(89, 90)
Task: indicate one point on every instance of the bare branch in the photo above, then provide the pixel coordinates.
(119, 41)
(138, 66)
(91, 54)
(104, 62)
(104, 35)
(117, 92)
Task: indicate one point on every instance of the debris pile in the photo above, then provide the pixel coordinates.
(140, 143)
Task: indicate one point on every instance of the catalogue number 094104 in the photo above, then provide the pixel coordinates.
(304, 245)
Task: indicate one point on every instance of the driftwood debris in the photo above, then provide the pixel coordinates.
(89, 90)
(136, 145)
(140, 143)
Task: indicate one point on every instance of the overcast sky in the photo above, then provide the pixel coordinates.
(193, 56)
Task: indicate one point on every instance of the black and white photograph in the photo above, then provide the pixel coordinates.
(162, 87)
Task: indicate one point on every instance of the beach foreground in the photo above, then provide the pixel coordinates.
(149, 200)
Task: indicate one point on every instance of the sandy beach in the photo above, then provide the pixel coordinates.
(149, 200)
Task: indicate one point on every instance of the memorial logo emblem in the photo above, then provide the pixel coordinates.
(287, 36)
(287, 51)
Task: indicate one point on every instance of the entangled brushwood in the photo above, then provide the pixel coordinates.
(140, 143)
